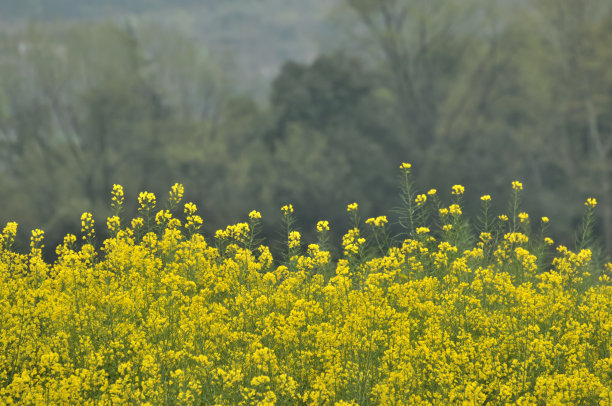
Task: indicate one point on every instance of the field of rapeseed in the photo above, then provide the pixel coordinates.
(424, 309)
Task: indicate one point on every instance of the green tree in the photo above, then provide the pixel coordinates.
(572, 56)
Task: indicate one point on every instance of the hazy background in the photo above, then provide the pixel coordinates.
(256, 103)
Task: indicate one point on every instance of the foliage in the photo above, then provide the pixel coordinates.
(472, 92)
(162, 315)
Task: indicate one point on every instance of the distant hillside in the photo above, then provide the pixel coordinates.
(260, 35)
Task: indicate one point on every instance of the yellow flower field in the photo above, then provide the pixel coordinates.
(445, 312)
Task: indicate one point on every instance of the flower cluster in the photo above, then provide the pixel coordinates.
(193, 221)
(351, 242)
(147, 201)
(255, 215)
(420, 199)
(36, 240)
(163, 317)
(7, 238)
(379, 221)
(294, 239)
(454, 209)
(237, 232)
(322, 225)
(287, 209)
(458, 190)
(87, 226)
(117, 198)
(176, 195)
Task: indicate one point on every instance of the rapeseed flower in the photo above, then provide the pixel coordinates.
(378, 221)
(458, 190)
(146, 200)
(87, 226)
(516, 185)
(176, 195)
(454, 209)
(287, 209)
(322, 225)
(420, 199)
(484, 237)
(117, 198)
(422, 230)
(8, 235)
(36, 239)
(158, 313)
(113, 224)
(255, 215)
(294, 239)
(518, 238)
(190, 209)
(591, 202)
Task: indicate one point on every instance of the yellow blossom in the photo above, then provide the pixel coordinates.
(516, 185)
(458, 190)
(484, 237)
(190, 209)
(454, 209)
(518, 238)
(405, 166)
(422, 230)
(294, 239)
(378, 221)
(176, 194)
(323, 225)
(151, 315)
(591, 202)
(287, 209)
(137, 222)
(146, 201)
(36, 238)
(255, 215)
(420, 199)
(87, 225)
(485, 198)
(117, 197)
(113, 223)
(351, 207)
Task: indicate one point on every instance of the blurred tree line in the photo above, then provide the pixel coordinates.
(475, 92)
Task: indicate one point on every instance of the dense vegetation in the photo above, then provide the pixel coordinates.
(450, 298)
(416, 308)
(517, 90)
